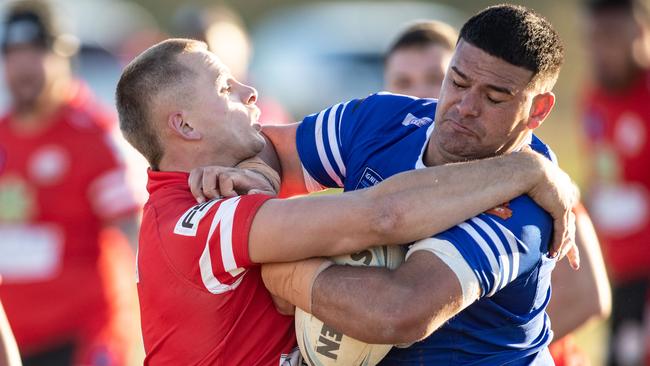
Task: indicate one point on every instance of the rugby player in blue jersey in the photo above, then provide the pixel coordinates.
(484, 284)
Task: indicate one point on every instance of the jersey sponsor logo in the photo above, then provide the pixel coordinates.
(369, 178)
(502, 211)
(188, 224)
(49, 165)
(630, 134)
(413, 120)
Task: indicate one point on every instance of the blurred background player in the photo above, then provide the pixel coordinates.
(225, 33)
(416, 64)
(66, 280)
(417, 60)
(616, 116)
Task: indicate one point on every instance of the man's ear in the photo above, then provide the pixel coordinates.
(539, 109)
(179, 125)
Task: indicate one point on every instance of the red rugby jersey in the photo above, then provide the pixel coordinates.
(617, 127)
(202, 300)
(58, 188)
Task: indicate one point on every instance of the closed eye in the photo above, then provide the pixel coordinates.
(457, 85)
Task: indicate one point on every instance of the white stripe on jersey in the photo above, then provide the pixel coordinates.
(419, 164)
(331, 134)
(512, 242)
(320, 146)
(503, 255)
(211, 283)
(489, 254)
(341, 120)
(310, 183)
(227, 209)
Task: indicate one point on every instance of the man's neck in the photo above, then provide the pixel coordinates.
(184, 160)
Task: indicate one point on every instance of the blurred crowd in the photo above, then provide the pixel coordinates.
(71, 190)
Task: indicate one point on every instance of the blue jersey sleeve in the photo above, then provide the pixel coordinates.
(324, 139)
(502, 245)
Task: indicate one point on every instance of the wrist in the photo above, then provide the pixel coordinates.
(530, 169)
(294, 281)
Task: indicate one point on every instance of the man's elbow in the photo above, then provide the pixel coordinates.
(385, 218)
(413, 321)
(407, 328)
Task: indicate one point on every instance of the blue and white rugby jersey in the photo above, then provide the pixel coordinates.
(362, 142)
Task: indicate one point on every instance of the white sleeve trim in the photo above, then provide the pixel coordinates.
(448, 253)
(223, 216)
(310, 183)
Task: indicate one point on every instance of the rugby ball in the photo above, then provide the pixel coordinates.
(321, 345)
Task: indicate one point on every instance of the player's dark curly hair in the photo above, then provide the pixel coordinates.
(518, 36)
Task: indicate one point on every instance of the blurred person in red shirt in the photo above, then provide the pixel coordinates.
(616, 119)
(416, 64)
(61, 185)
(225, 33)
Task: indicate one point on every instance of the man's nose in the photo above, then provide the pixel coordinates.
(248, 94)
(469, 104)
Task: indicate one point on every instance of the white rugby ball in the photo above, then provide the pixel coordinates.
(321, 345)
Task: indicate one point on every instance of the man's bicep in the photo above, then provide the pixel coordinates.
(441, 256)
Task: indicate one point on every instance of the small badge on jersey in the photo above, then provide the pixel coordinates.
(188, 224)
(502, 211)
(413, 120)
(49, 165)
(369, 178)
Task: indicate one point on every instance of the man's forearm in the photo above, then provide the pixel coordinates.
(371, 304)
(404, 208)
(432, 200)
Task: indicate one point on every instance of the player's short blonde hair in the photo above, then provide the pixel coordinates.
(154, 71)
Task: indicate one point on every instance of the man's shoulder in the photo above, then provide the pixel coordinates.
(181, 224)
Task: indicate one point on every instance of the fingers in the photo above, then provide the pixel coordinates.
(569, 245)
(573, 255)
(209, 183)
(216, 182)
(195, 182)
(560, 233)
(227, 185)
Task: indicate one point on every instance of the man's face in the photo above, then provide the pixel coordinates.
(26, 72)
(417, 71)
(610, 38)
(223, 109)
(483, 108)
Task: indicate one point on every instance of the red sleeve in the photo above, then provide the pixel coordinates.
(108, 192)
(220, 229)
